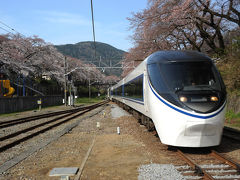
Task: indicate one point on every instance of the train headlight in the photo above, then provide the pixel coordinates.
(183, 99)
(214, 98)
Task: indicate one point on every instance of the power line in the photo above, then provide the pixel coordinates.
(93, 29)
(5, 30)
(12, 29)
(7, 26)
(28, 56)
(22, 44)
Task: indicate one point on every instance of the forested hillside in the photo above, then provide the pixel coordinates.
(106, 54)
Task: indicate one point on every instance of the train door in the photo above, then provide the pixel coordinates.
(145, 91)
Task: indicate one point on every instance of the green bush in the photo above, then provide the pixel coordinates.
(233, 118)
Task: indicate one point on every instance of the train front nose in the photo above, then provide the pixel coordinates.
(202, 102)
(194, 128)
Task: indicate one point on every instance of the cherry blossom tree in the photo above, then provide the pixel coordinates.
(182, 24)
(35, 58)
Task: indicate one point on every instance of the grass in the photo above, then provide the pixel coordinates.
(232, 119)
(86, 100)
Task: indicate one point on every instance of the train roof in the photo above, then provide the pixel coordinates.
(168, 56)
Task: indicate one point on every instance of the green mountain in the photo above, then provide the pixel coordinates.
(105, 54)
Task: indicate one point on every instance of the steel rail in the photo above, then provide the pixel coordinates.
(226, 160)
(36, 116)
(16, 142)
(10, 123)
(34, 127)
(198, 170)
(32, 118)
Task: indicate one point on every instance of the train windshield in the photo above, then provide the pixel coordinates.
(190, 76)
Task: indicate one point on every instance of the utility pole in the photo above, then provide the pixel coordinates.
(89, 85)
(70, 92)
(89, 89)
(24, 90)
(65, 81)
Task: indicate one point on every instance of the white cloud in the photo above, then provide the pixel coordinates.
(64, 18)
(113, 33)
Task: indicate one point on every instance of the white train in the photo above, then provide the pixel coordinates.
(181, 93)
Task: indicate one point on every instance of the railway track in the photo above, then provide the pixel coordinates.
(14, 138)
(9, 123)
(216, 167)
(207, 164)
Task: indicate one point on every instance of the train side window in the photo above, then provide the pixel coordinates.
(118, 91)
(156, 78)
(134, 88)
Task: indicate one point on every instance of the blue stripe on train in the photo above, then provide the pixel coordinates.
(183, 112)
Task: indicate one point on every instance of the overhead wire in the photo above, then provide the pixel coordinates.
(94, 39)
(5, 30)
(7, 26)
(29, 55)
(20, 43)
(12, 29)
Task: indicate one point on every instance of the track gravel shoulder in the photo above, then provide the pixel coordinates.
(113, 156)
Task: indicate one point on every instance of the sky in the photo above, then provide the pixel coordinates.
(69, 21)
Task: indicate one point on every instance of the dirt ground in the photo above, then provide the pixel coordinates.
(113, 156)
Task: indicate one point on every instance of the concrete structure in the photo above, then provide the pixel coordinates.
(9, 105)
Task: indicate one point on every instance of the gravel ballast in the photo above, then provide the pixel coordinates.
(118, 112)
(134, 153)
(159, 171)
